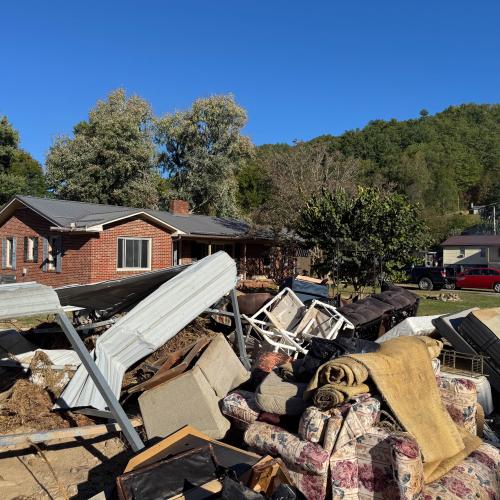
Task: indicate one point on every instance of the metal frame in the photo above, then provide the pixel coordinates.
(100, 382)
(240, 340)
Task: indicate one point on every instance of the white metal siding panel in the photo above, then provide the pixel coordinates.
(27, 299)
(150, 324)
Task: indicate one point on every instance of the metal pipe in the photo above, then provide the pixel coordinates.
(239, 331)
(101, 383)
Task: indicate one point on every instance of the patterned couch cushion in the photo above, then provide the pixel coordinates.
(478, 476)
(459, 396)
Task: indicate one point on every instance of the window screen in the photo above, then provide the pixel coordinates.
(133, 253)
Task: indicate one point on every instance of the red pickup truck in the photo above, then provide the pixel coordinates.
(479, 277)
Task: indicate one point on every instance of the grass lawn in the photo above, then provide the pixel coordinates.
(469, 299)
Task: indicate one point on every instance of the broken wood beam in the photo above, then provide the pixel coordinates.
(88, 431)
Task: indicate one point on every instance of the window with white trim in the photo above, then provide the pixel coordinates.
(134, 253)
(30, 249)
(9, 253)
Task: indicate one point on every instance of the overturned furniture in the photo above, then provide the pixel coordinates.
(191, 395)
(475, 332)
(286, 324)
(378, 313)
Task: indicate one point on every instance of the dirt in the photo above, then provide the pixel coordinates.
(27, 407)
(81, 469)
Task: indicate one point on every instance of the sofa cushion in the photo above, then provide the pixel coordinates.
(221, 367)
(476, 477)
(274, 395)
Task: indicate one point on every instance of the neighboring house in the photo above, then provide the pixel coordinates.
(59, 242)
(472, 250)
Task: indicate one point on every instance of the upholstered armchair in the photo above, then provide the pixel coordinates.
(352, 452)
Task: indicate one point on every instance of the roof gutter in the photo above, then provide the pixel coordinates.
(76, 230)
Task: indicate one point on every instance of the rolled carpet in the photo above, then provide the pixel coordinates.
(330, 395)
(341, 371)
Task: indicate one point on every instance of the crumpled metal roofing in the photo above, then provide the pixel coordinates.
(18, 300)
(150, 324)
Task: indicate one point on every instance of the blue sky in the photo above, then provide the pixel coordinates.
(301, 69)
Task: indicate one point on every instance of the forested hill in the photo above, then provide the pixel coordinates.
(444, 161)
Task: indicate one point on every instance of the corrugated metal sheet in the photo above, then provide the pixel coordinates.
(27, 299)
(150, 324)
(116, 295)
(21, 352)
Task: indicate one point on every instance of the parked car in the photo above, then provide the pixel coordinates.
(428, 278)
(479, 277)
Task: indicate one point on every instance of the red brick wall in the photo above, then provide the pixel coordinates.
(179, 207)
(87, 258)
(76, 261)
(105, 248)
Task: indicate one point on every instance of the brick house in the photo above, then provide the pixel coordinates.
(58, 242)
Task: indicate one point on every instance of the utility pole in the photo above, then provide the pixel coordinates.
(476, 209)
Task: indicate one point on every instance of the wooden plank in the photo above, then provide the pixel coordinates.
(207, 490)
(151, 454)
(166, 373)
(87, 431)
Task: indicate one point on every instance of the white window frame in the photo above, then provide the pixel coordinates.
(30, 251)
(9, 247)
(125, 269)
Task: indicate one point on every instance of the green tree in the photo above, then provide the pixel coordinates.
(19, 172)
(202, 150)
(111, 157)
(361, 235)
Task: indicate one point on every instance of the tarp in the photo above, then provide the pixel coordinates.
(414, 326)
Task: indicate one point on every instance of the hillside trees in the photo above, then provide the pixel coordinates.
(111, 158)
(202, 151)
(297, 173)
(19, 172)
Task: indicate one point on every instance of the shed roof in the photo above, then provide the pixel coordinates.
(475, 240)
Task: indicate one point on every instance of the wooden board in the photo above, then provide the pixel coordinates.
(171, 446)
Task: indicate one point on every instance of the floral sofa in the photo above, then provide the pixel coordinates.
(348, 453)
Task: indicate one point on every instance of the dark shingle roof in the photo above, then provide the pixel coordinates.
(64, 213)
(472, 240)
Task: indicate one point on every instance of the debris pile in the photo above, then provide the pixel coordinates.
(301, 400)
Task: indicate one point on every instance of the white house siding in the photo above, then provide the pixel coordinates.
(471, 256)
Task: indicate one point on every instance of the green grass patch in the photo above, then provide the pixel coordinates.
(468, 300)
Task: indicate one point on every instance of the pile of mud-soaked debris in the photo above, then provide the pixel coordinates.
(199, 390)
